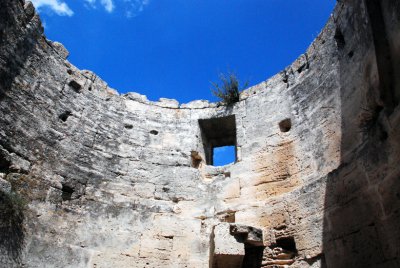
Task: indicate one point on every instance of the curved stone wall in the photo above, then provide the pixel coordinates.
(90, 178)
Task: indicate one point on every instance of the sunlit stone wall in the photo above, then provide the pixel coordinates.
(91, 178)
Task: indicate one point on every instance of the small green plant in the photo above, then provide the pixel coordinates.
(229, 90)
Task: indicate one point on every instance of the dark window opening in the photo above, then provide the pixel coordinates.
(219, 133)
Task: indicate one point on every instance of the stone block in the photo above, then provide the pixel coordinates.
(168, 103)
(61, 50)
(197, 104)
(250, 235)
(225, 243)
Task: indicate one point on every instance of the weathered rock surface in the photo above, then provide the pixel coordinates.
(103, 180)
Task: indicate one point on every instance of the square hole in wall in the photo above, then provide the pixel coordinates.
(218, 133)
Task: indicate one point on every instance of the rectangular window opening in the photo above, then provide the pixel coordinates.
(219, 140)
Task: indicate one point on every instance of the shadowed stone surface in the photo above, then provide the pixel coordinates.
(90, 178)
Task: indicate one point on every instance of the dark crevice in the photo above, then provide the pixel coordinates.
(175, 199)
(64, 116)
(339, 38)
(11, 150)
(75, 85)
(307, 61)
(383, 56)
(285, 77)
(300, 70)
(369, 118)
(305, 66)
(285, 125)
(253, 257)
(4, 164)
(128, 126)
(154, 132)
(286, 243)
(165, 189)
(67, 192)
(196, 159)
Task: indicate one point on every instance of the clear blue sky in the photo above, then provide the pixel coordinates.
(224, 155)
(174, 48)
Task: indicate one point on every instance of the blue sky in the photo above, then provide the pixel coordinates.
(174, 48)
(224, 155)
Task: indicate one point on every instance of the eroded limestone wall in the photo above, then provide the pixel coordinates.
(90, 178)
(361, 224)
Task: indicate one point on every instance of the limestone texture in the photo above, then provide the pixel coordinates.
(91, 178)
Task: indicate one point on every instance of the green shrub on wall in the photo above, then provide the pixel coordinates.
(229, 90)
